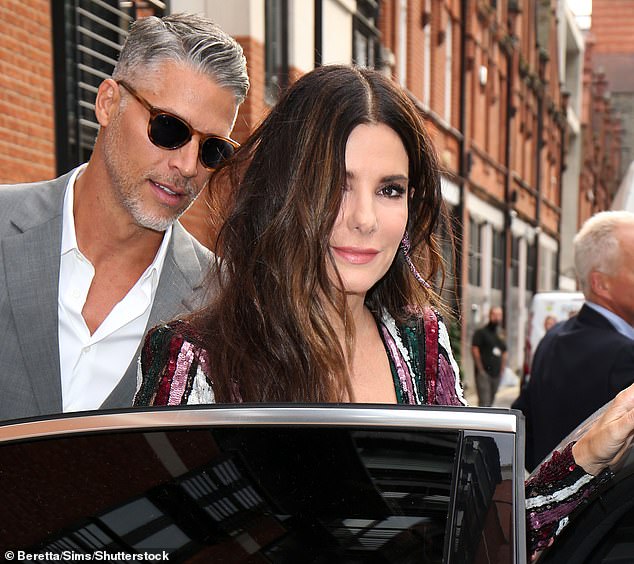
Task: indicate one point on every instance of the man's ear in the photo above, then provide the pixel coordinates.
(107, 102)
(600, 284)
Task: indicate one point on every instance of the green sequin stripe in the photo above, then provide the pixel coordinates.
(414, 341)
(159, 369)
(395, 379)
(149, 364)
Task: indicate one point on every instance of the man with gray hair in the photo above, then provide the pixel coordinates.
(582, 363)
(91, 260)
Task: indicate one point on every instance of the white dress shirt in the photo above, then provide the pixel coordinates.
(92, 365)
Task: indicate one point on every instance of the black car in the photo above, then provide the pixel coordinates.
(283, 484)
(267, 484)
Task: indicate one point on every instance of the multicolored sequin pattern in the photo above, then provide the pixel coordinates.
(558, 489)
(407, 346)
(176, 370)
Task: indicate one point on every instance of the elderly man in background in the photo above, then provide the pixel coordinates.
(584, 362)
(92, 259)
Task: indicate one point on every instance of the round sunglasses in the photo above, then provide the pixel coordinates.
(169, 131)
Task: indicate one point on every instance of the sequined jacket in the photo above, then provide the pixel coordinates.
(175, 371)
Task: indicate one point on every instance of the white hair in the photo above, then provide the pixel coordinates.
(597, 247)
(187, 38)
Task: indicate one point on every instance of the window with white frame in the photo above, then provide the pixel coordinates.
(475, 253)
(497, 260)
(366, 44)
(448, 69)
(276, 49)
(402, 43)
(515, 261)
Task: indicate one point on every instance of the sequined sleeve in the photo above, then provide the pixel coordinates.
(172, 369)
(556, 489)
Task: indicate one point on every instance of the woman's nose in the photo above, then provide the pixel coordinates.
(362, 213)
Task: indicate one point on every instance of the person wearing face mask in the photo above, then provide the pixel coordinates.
(328, 247)
(488, 349)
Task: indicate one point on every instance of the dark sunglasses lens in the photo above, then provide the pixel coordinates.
(168, 131)
(214, 151)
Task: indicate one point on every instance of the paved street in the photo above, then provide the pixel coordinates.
(504, 398)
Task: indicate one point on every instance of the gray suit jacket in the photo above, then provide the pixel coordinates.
(30, 243)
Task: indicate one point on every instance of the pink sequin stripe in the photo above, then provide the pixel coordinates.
(537, 520)
(446, 384)
(431, 354)
(183, 364)
(400, 364)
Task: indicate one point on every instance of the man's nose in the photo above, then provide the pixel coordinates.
(185, 158)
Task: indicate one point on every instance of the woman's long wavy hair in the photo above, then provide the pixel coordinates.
(267, 330)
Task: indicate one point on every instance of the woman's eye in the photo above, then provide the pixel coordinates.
(392, 190)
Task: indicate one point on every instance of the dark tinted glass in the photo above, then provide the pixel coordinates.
(214, 151)
(267, 494)
(168, 132)
(487, 493)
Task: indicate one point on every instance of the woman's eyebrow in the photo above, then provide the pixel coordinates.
(395, 177)
(389, 178)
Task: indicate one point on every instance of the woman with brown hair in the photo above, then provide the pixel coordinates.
(322, 291)
(336, 203)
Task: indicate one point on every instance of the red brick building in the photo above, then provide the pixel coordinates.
(602, 132)
(488, 75)
(612, 61)
(27, 111)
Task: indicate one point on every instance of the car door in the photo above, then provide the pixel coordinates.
(331, 484)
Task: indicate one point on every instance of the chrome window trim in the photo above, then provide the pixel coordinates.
(436, 417)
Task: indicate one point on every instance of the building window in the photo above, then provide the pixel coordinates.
(497, 260)
(276, 49)
(427, 54)
(531, 255)
(366, 44)
(448, 69)
(515, 262)
(402, 43)
(87, 39)
(475, 253)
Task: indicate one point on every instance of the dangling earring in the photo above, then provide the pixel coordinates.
(405, 246)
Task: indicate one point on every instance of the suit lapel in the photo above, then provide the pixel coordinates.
(179, 292)
(33, 289)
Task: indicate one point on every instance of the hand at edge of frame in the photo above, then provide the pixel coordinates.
(609, 436)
